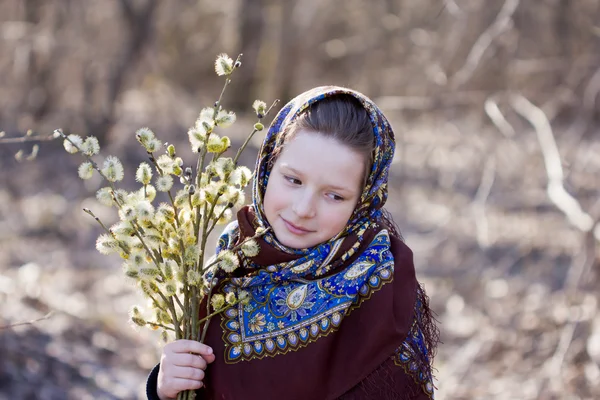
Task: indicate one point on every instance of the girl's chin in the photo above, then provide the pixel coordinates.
(293, 242)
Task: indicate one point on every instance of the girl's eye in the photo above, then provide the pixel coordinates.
(335, 197)
(292, 180)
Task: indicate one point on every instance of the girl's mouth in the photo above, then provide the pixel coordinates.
(296, 230)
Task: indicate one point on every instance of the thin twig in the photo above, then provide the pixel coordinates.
(23, 139)
(591, 91)
(502, 23)
(33, 321)
(453, 8)
(493, 111)
(152, 324)
(483, 192)
(220, 310)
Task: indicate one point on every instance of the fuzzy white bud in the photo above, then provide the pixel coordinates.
(136, 316)
(223, 166)
(217, 301)
(193, 277)
(244, 297)
(260, 108)
(228, 261)
(167, 212)
(234, 196)
(104, 196)
(230, 298)
(206, 114)
(148, 192)
(223, 65)
(107, 244)
(91, 147)
(250, 248)
(144, 135)
(86, 170)
(153, 145)
(166, 164)
(170, 287)
(164, 183)
(197, 139)
(143, 174)
(241, 176)
(144, 210)
(217, 144)
(225, 118)
(112, 169)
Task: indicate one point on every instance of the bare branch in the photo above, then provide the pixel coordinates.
(591, 91)
(483, 192)
(26, 138)
(493, 111)
(453, 8)
(33, 321)
(556, 190)
(502, 24)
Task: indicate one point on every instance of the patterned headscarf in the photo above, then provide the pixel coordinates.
(299, 295)
(374, 193)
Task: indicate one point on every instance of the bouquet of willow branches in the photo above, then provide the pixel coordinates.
(164, 246)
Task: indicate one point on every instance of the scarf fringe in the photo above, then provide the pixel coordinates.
(420, 347)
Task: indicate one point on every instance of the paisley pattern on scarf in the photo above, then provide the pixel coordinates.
(410, 354)
(286, 312)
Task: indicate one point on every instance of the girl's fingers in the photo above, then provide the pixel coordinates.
(190, 346)
(195, 374)
(176, 385)
(174, 379)
(188, 360)
(209, 358)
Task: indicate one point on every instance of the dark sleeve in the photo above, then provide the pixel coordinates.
(389, 381)
(151, 384)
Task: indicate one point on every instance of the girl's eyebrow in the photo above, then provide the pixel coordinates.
(293, 170)
(334, 187)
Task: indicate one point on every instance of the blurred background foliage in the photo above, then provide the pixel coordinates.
(496, 109)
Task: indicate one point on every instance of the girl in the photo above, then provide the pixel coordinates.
(335, 310)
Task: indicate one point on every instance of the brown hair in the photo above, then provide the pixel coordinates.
(341, 117)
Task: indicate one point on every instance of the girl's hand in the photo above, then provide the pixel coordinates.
(182, 367)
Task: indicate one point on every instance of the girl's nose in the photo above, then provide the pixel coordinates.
(303, 205)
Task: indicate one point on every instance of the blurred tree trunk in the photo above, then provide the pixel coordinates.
(139, 22)
(562, 31)
(252, 22)
(287, 61)
(32, 13)
(40, 93)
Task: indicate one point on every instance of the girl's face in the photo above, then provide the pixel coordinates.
(313, 189)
